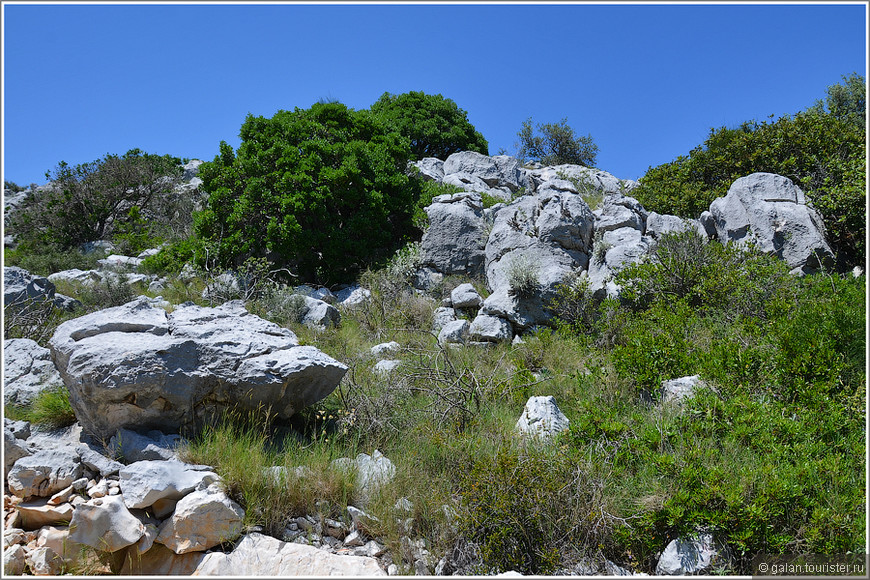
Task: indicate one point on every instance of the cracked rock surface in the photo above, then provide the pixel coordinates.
(138, 366)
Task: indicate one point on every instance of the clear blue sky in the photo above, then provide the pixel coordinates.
(646, 81)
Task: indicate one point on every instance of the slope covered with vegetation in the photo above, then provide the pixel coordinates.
(770, 457)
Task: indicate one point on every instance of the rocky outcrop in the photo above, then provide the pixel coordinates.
(23, 289)
(27, 371)
(772, 211)
(137, 366)
(455, 240)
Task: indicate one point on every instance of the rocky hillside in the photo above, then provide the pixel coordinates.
(429, 355)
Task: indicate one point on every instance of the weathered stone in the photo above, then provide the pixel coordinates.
(20, 286)
(27, 371)
(455, 332)
(202, 520)
(385, 348)
(44, 562)
(613, 252)
(353, 296)
(320, 314)
(105, 524)
(677, 390)
(98, 462)
(771, 210)
(542, 418)
(490, 329)
(259, 555)
(13, 450)
(119, 263)
(441, 317)
(455, 240)
(158, 560)
(137, 366)
(132, 446)
(38, 513)
(385, 367)
(431, 169)
(145, 482)
(693, 555)
(14, 560)
(465, 296)
(44, 473)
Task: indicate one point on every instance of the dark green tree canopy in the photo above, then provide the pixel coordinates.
(436, 126)
(557, 144)
(323, 191)
(91, 201)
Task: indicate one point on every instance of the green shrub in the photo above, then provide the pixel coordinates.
(557, 144)
(88, 202)
(525, 508)
(43, 260)
(435, 126)
(522, 277)
(321, 191)
(52, 409)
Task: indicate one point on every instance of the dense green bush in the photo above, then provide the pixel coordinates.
(92, 201)
(436, 126)
(557, 144)
(822, 152)
(525, 508)
(323, 191)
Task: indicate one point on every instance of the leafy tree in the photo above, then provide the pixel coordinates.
(436, 126)
(557, 144)
(322, 190)
(822, 152)
(91, 201)
(846, 101)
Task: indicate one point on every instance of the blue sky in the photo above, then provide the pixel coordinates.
(646, 81)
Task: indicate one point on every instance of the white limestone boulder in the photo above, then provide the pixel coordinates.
(136, 366)
(145, 482)
(260, 555)
(542, 419)
(202, 519)
(105, 524)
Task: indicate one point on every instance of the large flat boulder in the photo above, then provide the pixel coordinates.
(136, 366)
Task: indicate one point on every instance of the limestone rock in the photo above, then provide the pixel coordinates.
(454, 332)
(676, 390)
(135, 366)
(772, 211)
(105, 524)
(133, 446)
(14, 560)
(693, 555)
(28, 370)
(158, 561)
(542, 418)
(455, 240)
(260, 555)
(385, 367)
(385, 348)
(38, 513)
(353, 296)
(44, 473)
(441, 317)
(13, 450)
(202, 520)
(145, 482)
(490, 329)
(465, 296)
